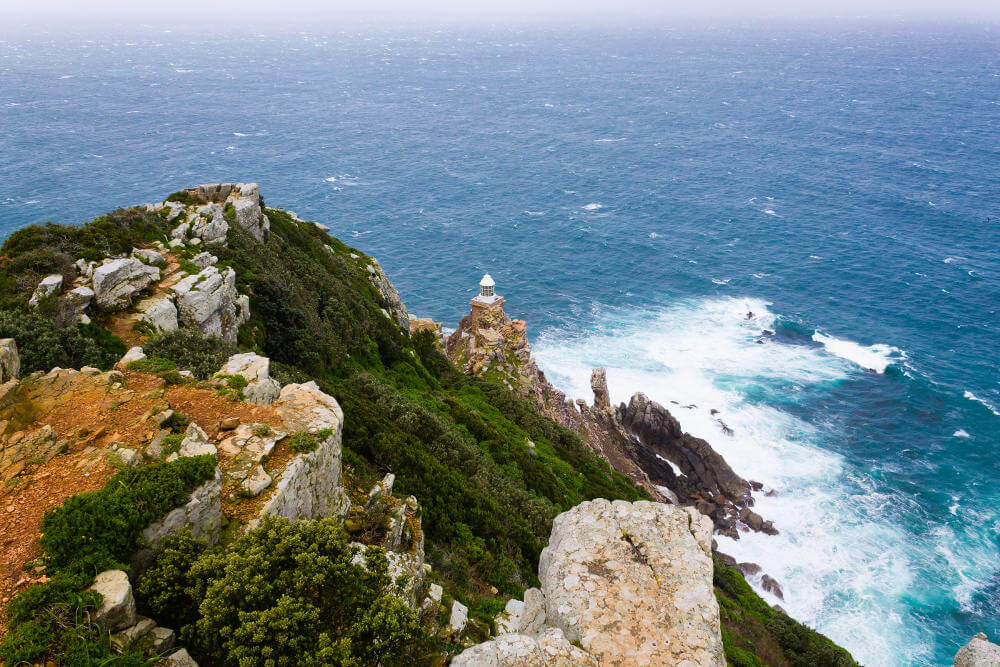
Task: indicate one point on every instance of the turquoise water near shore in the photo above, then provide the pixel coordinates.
(636, 192)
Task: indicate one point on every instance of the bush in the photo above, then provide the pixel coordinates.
(188, 349)
(92, 532)
(98, 530)
(42, 345)
(755, 633)
(152, 365)
(284, 594)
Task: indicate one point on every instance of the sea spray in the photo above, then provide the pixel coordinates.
(843, 570)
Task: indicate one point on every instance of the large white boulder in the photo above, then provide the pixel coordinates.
(979, 652)
(48, 286)
(632, 582)
(79, 298)
(261, 388)
(250, 216)
(208, 301)
(116, 282)
(195, 443)
(117, 609)
(149, 257)
(159, 311)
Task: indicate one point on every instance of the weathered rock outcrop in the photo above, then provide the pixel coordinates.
(310, 486)
(261, 388)
(548, 649)
(630, 583)
(208, 301)
(49, 285)
(117, 610)
(245, 200)
(979, 652)
(158, 311)
(390, 296)
(116, 282)
(10, 360)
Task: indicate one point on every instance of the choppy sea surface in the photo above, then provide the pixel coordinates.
(650, 199)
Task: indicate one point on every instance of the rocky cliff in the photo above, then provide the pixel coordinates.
(227, 399)
(622, 584)
(641, 440)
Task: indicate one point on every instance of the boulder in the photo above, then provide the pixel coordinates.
(549, 649)
(129, 636)
(159, 311)
(179, 658)
(979, 652)
(204, 259)
(458, 619)
(210, 225)
(256, 482)
(632, 582)
(117, 610)
(79, 298)
(163, 640)
(116, 282)
(49, 285)
(208, 301)
(509, 620)
(150, 257)
(261, 388)
(133, 354)
(195, 443)
(10, 360)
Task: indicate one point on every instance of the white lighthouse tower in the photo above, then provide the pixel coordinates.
(486, 291)
(486, 300)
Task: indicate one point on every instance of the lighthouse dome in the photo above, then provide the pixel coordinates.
(487, 281)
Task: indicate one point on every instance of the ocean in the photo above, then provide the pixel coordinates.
(648, 198)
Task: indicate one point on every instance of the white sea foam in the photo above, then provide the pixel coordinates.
(238, 134)
(961, 433)
(972, 397)
(770, 211)
(842, 572)
(654, 235)
(876, 357)
(721, 282)
(592, 207)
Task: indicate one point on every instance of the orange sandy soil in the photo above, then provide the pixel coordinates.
(94, 411)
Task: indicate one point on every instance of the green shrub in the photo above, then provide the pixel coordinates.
(284, 594)
(89, 533)
(152, 365)
(302, 442)
(752, 629)
(100, 529)
(188, 349)
(185, 197)
(42, 345)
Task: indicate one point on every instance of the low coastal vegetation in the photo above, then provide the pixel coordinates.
(490, 472)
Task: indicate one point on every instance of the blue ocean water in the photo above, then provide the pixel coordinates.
(636, 192)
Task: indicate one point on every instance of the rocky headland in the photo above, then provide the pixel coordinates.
(224, 438)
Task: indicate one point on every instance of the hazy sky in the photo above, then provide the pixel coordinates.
(786, 9)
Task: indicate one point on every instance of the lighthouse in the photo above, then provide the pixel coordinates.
(487, 299)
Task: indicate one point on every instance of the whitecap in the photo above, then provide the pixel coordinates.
(876, 357)
(815, 257)
(608, 141)
(654, 235)
(843, 572)
(534, 213)
(972, 397)
(592, 207)
(721, 282)
(66, 76)
(183, 71)
(761, 275)
(238, 134)
(31, 201)
(770, 211)
(961, 433)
